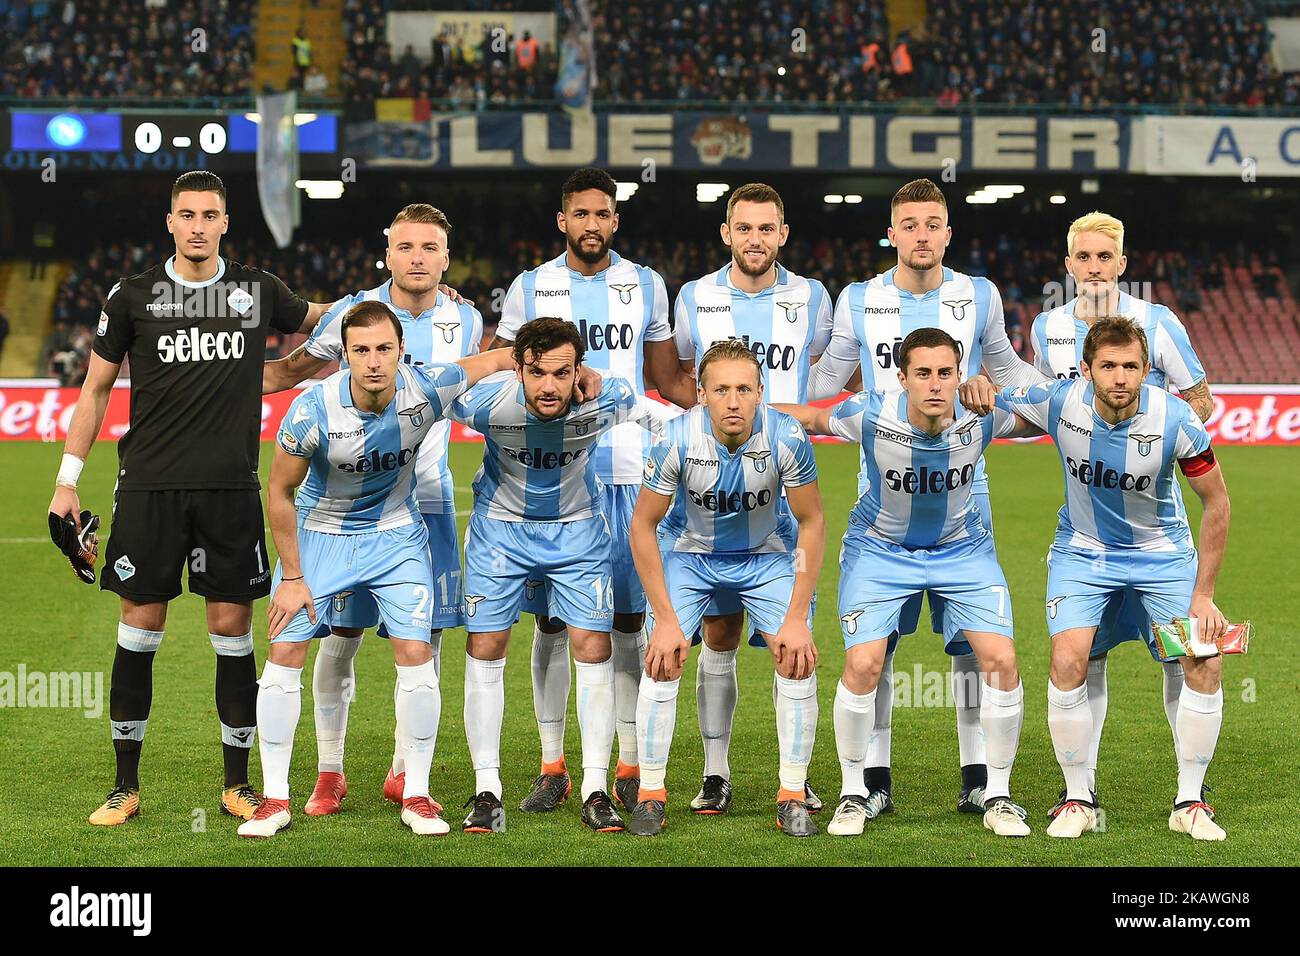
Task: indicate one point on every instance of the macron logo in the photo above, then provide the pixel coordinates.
(74, 909)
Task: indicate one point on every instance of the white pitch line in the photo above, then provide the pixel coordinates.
(22, 540)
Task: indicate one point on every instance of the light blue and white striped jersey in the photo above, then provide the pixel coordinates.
(725, 502)
(1120, 486)
(362, 472)
(544, 470)
(873, 317)
(786, 326)
(919, 486)
(1058, 343)
(444, 333)
(617, 311)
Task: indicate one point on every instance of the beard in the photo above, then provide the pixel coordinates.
(412, 289)
(1104, 396)
(923, 265)
(738, 257)
(559, 413)
(589, 257)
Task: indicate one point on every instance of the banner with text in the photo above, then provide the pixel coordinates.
(1243, 414)
(825, 142)
(1221, 146)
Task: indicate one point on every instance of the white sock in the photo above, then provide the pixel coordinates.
(656, 716)
(1173, 679)
(796, 728)
(400, 739)
(1070, 722)
(485, 705)
(966, 681)
(882, 733)
(1199, 718)
(854, 715)
(1097, 693)
(595, 723)
(715, 695)
(333, 685)
(1001, 714)
(279, 705)
(551, 678)
(419, 708)
(628, 652)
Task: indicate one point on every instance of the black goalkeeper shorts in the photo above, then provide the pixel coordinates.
(218, 534)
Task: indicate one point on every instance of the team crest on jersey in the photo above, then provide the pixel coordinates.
(1052, 605)
(300, 415)
(958, 307)
(624, 292)
(240, 300)
(850, 622)
(124, 567)
(448, 330)
(964, 433)
(1144, 443)
(650, 469)
(415, 413)
(759, 458)
(530, 588)
(582, 425)
(472, 602)
(103, 324)
(341, 601)
(791, 310)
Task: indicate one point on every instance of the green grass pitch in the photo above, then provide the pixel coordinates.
(56, 764)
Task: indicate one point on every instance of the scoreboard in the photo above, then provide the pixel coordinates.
(143, 141)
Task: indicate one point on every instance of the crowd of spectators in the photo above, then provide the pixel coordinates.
(1193, 52)
(126, 48)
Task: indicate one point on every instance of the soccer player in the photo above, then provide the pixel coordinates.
(538, 522)
(721, 468)
(1123, 530)
(785, 320)
(621, 310)
(1095, 260)
(435, 328)
(872, 318)
(349, 447)
(916, 529)
(194, 328)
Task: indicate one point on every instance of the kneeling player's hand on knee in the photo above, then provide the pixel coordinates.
(289, 598)
(794, 650)
(1212, 623)
(666, 652)
(978, 395)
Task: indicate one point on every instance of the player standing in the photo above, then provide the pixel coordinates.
(1123, 530)
(916, 529)
(187, 493)
(348, 447)
(435, 328)
(538, 522)
(621, 310)
(871, 320)
(1095, 260)
(721, 467)
(785, 320)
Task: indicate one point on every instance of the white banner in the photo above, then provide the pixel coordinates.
(1245, 147)
(277, 164)
(419, 28)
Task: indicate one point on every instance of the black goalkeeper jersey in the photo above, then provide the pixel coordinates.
(196, 352)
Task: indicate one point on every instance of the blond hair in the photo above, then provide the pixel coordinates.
(1099, 222)
(728, 350)
(422, 212)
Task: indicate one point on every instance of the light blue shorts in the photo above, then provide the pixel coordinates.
(911, 615)
(878, 578)
(760, 584)
(629, 596)
(393, 566)
(567, 561)
(360, 609)
(1085, 588)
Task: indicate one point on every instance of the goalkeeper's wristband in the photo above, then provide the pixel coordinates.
(69, 471)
